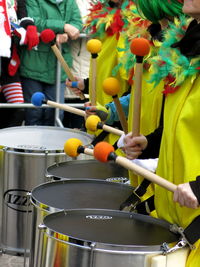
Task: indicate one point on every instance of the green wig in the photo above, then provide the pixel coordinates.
(155, 10)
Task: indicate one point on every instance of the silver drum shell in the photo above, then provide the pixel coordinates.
(76, 251)
(73, 194)
(25, 154)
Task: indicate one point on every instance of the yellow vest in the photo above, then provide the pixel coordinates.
(179, 155)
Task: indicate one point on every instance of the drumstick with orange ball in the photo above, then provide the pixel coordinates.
(111, 86)
(139, 47)
(48, 36)
(104, 152)
(94, 47)
(73, 147)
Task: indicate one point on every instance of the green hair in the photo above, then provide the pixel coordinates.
(155, 10)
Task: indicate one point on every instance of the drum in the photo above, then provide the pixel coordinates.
(87, 169)
(73, 194)
(25, 154)
(96, 238)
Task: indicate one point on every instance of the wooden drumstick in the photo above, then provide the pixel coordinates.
(104, 152)
(139, 47)
(48, 36)
(39, 98)
(111, 86)
(94, 47)
(65, 66)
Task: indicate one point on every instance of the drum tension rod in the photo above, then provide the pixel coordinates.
(183, 242)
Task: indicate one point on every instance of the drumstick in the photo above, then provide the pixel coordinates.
(94, 47)
(139, 47)
(104, 152)
(93, 123)
(111, 86)
(38, 99)
(48, 36)
(73, 147)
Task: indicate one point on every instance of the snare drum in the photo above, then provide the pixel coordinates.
(96, 238)
(25, 153)
(73, 194)
(87, 169)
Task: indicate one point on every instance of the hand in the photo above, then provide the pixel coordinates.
(80, 86)
(32, 37)
(72, 31)
(133, 146)
(99, 110)
(185, 196)
(61, 38)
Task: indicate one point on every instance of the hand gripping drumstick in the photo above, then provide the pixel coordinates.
(111, 86)
(104, 152)
(139, 47)
(48, 36)
(38, 99)
(73, 147)
(94, 47)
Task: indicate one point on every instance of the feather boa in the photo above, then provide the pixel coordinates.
(103, 20)
(170, 65)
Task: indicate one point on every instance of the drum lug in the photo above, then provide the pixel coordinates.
(166, 249)
(177, 229)
(42, 227)
(49, 177)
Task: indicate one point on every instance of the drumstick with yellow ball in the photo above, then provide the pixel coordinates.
(111, 86)
(94, 47)
(73, 147)
(139, 47)
(93, 123)
(48, 36)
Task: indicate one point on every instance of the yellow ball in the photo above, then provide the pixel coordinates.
(111, 86)
(71, 147)
(91, 122)
(94, 46)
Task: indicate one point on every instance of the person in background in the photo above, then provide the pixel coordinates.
(38, 67)
(16, 29)
(80, 68)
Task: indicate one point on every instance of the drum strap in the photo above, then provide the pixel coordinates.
(99, 137)
(132, 201)
(146, 207)
(192, 232)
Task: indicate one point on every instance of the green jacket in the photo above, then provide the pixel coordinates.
(40, 63)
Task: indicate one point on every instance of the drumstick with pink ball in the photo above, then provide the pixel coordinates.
(94, 47)
(111, 86)
(92, 121)
(48, 36)
(139, 47)
(104, 152)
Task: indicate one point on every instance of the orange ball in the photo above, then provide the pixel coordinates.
(111, 86)
(71, 147)
(102, 151)
(140, 47)
(92, 122)
(94, 46)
